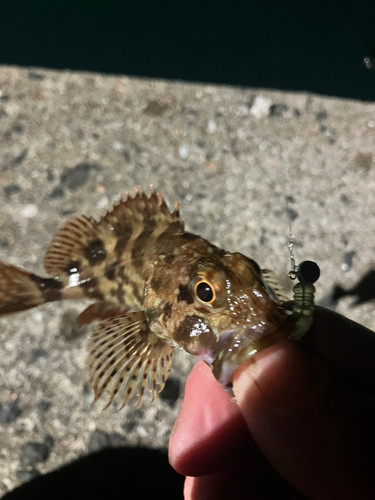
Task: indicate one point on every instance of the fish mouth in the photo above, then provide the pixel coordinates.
(237, 346)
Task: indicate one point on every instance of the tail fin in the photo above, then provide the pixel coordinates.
(19, 290)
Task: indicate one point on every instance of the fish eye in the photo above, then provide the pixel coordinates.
(204, 292)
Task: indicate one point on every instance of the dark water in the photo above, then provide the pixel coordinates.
(312, 45)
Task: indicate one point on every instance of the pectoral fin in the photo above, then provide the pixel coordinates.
(101, 311)
(272, 282)
(125, 357)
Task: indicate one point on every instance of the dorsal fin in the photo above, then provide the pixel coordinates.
(69, 244)
(125, 356)
(82, 241)
(130, 212)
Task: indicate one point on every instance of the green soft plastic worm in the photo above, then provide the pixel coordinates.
(303, 294)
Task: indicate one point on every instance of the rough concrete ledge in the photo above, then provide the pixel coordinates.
(70, 142)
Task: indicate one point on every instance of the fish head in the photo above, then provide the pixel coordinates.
(215, 306)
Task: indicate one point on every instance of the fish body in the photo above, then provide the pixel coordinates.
(154, 287)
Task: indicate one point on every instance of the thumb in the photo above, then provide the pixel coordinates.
(294, 414)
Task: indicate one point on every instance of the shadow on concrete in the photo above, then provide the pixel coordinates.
(362, 292)
(111, 473)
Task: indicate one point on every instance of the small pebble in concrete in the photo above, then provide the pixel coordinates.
(57, 193)
(128, 426)
(100, 440)
(142, 431)
(10, 412)
(27, 474)
(348, 261)
(321, 115)
(117, 145)
(11, 189)
(261, 107)
(29, 211)
(211, 127)
(36, 354)
(17, 128)
(67, 212)
(183, 151)
(344, 199)
(117, 439)
(50, 175)
(44, 405)
(76, 177)
(153, 108)
(138, 413)
(102, 203)
(19, 159)
(363, 161)
(278, 109)
(32, 453)
(36, 77)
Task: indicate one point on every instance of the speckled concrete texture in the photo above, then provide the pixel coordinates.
(70, 142)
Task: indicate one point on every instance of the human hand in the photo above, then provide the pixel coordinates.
(305, 412)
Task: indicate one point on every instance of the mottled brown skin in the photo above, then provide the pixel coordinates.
(139, 260)
(242, 305)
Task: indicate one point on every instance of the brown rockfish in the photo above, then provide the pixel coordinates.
(155, 287)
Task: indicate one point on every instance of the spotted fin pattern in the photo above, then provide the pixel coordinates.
(108, 259)
(272, 281)
(69, 245)
(125, 357)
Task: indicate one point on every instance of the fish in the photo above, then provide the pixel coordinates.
(154, 287)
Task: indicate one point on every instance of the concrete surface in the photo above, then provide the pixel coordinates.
(69, 142)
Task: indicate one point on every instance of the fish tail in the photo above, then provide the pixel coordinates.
(21, 290)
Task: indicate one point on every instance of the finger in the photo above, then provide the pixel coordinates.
(221, 485)
(219, 447)
(210, 427)
(295, 416)
(240, 480)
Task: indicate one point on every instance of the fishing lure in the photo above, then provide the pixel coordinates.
(155, 287)
(308, 272)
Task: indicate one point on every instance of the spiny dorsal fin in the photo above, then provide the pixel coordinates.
(125, 356)
(272, 281)
(84, 241)
(130, 212)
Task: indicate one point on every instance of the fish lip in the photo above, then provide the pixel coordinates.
(235, 346)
